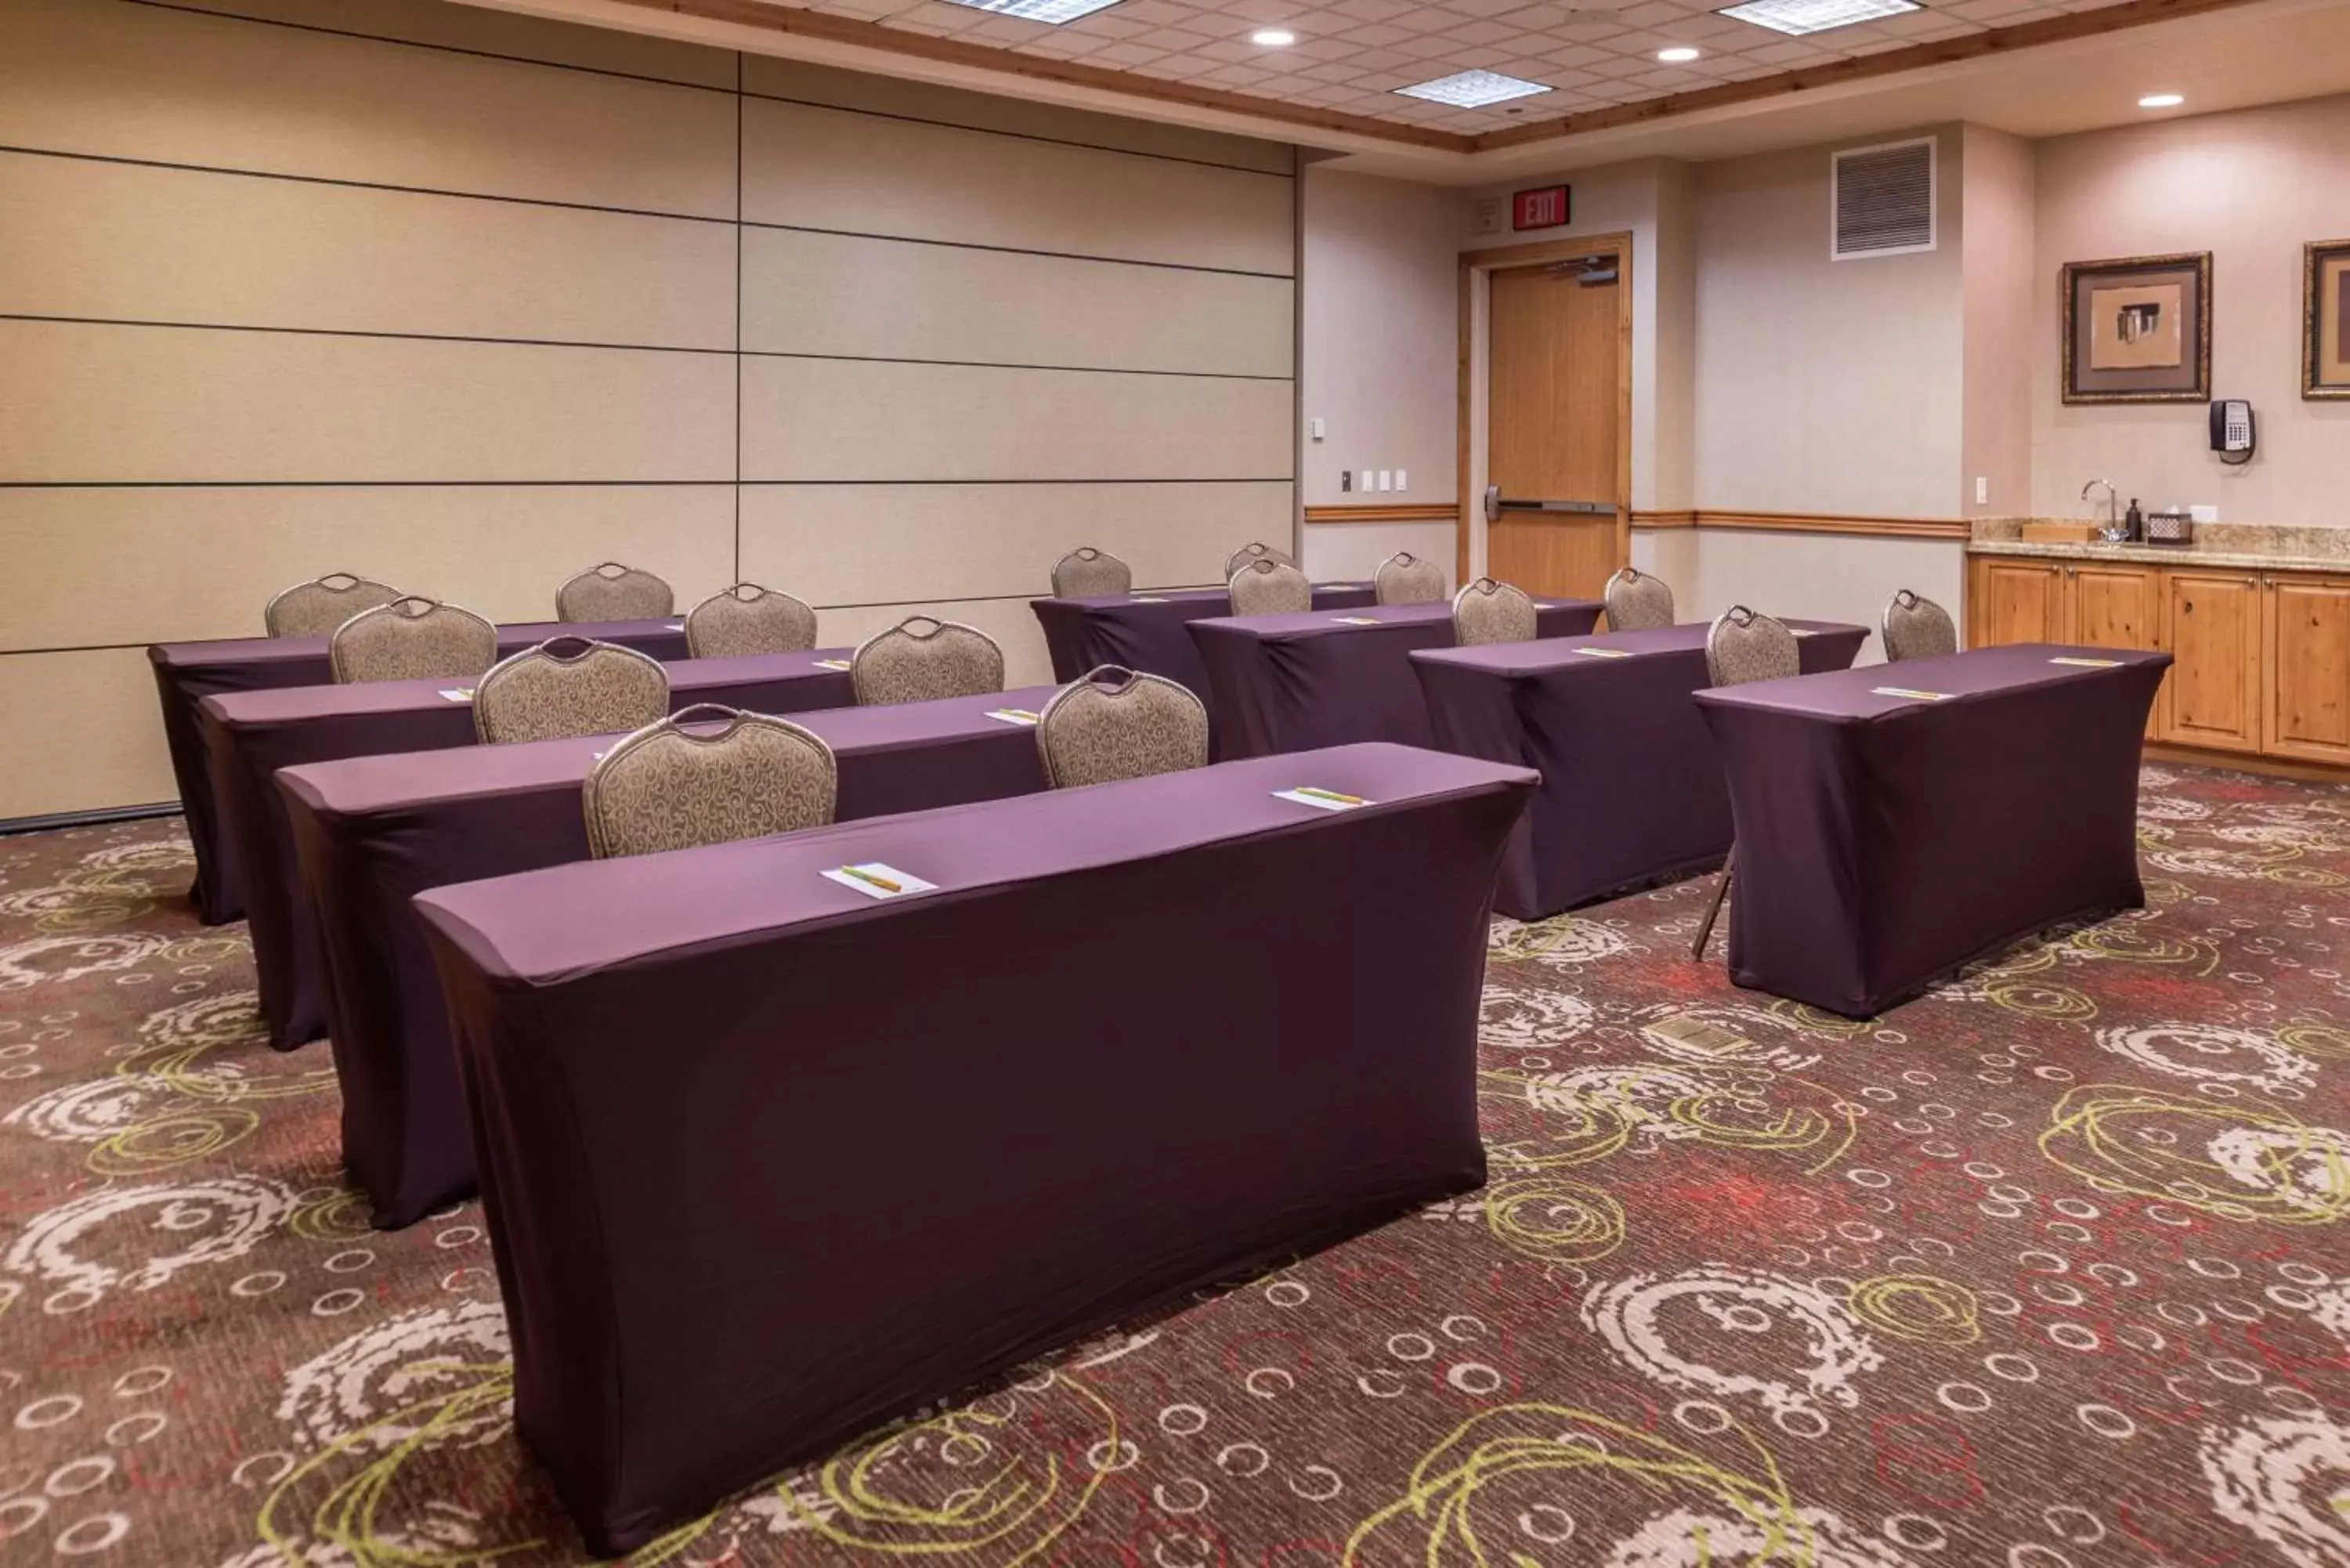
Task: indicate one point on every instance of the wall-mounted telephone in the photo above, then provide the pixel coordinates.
(2232, 435)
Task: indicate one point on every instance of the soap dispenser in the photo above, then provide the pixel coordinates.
(2134, 522)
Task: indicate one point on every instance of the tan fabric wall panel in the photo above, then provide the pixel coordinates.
(806, 83)
(811, 420)
(101, 77)
(167, 565)
(114, 404)
(1009, 622)
(841, 294)
(126, 242)
(476, 27)
(921, 541)
(862, 173)
(82, 733)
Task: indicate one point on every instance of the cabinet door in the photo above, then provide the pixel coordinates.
(2214, 692)
(2116, 605)
(2306, 682)
(2014, 600)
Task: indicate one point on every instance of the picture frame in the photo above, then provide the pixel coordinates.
(2325, 319)
(2138, 329)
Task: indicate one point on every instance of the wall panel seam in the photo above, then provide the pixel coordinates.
(360, 332)
(1002, 365)
(1288, 278)
(588, 483)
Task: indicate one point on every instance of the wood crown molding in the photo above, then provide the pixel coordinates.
(790, 21)
(1811, 523)
(1431, 511)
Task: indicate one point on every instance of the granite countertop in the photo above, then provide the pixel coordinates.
(2250, 546)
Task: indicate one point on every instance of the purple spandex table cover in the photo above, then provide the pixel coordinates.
(188, 672)
(372, 832)
(249, 735)
(1292, 683)
(1884, 841)
(1631, 785)
(676, 1067)
(1144, 631)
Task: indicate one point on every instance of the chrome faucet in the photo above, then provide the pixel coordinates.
(2113, 523)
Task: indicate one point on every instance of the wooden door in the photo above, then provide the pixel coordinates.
(2114, 605)
(2014, 599)
(2213, 696)
(1557, 355)
(2307, 680)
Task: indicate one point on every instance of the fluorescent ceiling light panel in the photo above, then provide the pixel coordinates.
(1054, 12)
(1801, 17)
(1473, 89)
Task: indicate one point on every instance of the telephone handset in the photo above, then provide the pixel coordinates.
(2233, 432)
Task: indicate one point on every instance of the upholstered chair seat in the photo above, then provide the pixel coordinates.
(1638, 602)
(1271, 587)
(678, 782)
(1917, 627)
(1487, 611)
(748, 619)
(316, 607)
(1113, 724)
(1404, 578)
(1249, 554)
(922, 658)
(1088, 573)
(569, 686)
(614, 592)
(413, 638)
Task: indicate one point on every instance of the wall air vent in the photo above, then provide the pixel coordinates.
(1883, 200)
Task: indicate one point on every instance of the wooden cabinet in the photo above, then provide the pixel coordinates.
(2305, 675)
(2213, 696)
(2016, 599)
(2113, 604)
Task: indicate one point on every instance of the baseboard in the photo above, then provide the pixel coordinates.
(103, 814)
(2247, 762)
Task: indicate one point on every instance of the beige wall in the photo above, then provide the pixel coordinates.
(1995, 254)
(2252, 187)
(455, 301)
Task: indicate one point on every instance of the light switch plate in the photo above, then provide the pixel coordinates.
(1345, 479)
(1982, 490)
(1386, 480)
(1402, 480)
(2204, 514)
(1314, 429)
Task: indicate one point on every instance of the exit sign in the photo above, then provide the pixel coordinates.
(1542, 209)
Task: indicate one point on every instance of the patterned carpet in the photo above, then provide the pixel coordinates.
(2047, 1269)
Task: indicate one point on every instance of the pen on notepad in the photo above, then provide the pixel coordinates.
(1332, 794)
(883, 883)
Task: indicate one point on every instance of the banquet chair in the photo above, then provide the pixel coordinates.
(748, 619)
(1638, 602)
(1487, 611)
(1404, 578)
(1113, 724)
(614, 592)
(1268, 587)
(568, 686)
(667, 786)
(1742, 644)
(1249, 554)
(315, 609)
(1086, 572)
(1917, 627)
(905, 664)
(412, 638)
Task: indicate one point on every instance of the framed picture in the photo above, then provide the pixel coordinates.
(2325, 319)
(2138, 330)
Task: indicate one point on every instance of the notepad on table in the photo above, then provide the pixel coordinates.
(1355, 619)
(1014, 715)
(674, 626)
(1913, 693)
(1150, 598)
(457, 693)
(1321, 799)
(2080, 663)
(832, 664)
(879, 879)
(1605, 652)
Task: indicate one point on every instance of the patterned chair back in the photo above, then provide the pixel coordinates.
(1487, 611)
(1113, 724)
(1271, 587)
(1744, 645)
(413, 638)
(1404, 578)
(614, 592)
(315, 609)
(668, 787)
(910, 664)
(1638, 602)
(746, 619)
(1249, 554)
(569, 686)
(1086, 572)
(1917, 627)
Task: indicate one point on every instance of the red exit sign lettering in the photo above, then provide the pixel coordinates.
(1542, 209)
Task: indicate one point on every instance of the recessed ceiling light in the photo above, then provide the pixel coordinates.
(1050, 12)
(1800, 16)
(1473, 89)
(1679, 55)
(1272, 38)
(2162, 100)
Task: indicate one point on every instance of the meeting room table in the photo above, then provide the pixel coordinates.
(1144, 631)
(1632, 790)
(1292, 682)
(679, 1068)
(249, 735)
(372, 832)
(1897, 821)
(188, 672)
